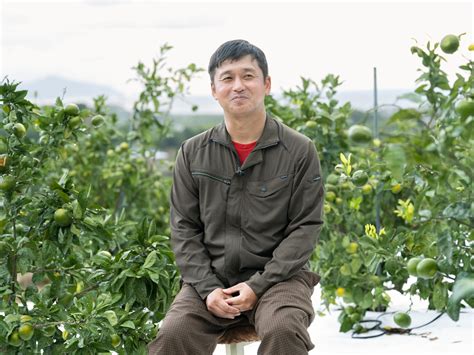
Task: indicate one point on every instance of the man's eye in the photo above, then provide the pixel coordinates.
(226, 78)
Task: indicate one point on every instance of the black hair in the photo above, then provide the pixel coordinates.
(234, 50)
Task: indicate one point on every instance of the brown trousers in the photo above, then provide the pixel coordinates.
(281, 318)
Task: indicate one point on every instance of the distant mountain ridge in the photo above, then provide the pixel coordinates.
(49, 88)
(46, 90)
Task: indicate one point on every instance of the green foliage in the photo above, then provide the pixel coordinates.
(84, 233)
(419, 174)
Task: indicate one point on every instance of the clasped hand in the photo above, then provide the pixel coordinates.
(222, 303)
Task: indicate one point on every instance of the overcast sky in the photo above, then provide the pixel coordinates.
(99, 41)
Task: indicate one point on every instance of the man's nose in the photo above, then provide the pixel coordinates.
(238, 84)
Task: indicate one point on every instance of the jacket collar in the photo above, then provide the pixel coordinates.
(269, 137)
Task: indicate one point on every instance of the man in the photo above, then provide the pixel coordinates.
(245, 216)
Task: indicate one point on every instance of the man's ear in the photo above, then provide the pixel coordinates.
(213, 91)
(268, 85)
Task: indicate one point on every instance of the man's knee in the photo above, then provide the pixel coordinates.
(285, 322)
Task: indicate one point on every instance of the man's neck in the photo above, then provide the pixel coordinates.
(245, 129)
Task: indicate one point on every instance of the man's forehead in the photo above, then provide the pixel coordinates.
(244, 63)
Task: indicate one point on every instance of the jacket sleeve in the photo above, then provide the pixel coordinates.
(302, 231)
(187, 230)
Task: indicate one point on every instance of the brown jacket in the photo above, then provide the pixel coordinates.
(257, 223)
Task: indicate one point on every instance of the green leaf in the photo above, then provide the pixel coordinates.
(366, 301)
(346, 325)
(128, 324)
(150, 260)
(463, 289)
(396, 160)
(356, 263)
(76, 210)
(112, 318)
(440, 295)
(405, 114)
(445, 245)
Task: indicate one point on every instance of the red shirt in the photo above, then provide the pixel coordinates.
(243, 150)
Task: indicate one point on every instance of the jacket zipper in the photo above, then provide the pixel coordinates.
(213, 177)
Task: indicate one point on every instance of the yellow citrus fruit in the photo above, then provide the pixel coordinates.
(340, 291)
(402, 319)
(339, 201)
(396, 188)
(65, 334)
(352, 248)
(26, 331)
(123, 146)
(79, 286)
(62, 217)
(427, 268)
(366, 189)
(449, 44)
(311, 124)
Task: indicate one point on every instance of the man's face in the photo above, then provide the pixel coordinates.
(239, 86)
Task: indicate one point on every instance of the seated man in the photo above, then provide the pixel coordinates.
(246, 208)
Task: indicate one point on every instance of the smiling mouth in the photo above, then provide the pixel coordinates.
(239, 98)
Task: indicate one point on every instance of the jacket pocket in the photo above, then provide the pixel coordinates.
(266, 212)
(268, 187)
(210, 176)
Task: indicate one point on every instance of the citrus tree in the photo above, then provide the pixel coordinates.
(86, 265)
(416, 173)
